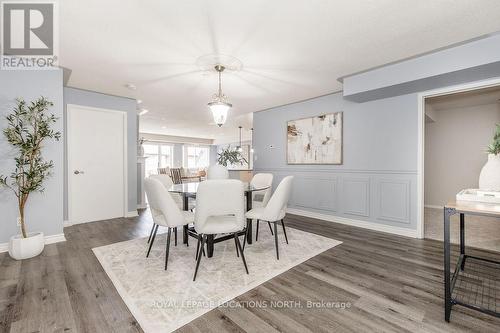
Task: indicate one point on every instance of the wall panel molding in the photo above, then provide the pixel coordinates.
(327, 186)
(336, 171)
(356, 196)
(394, 200)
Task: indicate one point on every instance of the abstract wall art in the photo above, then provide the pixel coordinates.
(315, 140)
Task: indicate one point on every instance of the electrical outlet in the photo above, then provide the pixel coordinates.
(19, 221)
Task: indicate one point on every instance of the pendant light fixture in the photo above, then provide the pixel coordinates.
(240, 148)
(219, 104)
(251, 142)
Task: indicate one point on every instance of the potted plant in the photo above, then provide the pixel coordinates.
(489, 179)
(230, 156)
(28, 127)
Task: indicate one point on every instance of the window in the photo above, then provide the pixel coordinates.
(196, 157)
(158, 156)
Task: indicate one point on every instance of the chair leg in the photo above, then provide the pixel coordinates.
(203, 240)
(237, 251)
(151, 233)
(175, 236)
(198, 248)
(257, 231)
(241, 250)
(152, 240)
(276, 240)
(245, 238)
(284, 230)
(270, 228)
(168, 248)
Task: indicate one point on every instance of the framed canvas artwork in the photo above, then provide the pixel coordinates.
(315, 140)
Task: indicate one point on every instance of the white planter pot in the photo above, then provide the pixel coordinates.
(489, 179)
(24, 248)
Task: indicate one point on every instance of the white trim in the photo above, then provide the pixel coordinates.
(356, 223)
(66, 223)
(421, 136)
(4, 247)
(142, 206)
(125, 154)
(433, 206)
(132, 213)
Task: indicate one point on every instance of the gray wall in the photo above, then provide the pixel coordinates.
(44, 211)
(455, 147)
(377, 180)
(128, 105)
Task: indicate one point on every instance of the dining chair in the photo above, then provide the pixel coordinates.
(164, 212)
(164, 171)
(176, 175)
(217, 172)
(275, 210)
(261, 198)
(167, 182)
(220, 208)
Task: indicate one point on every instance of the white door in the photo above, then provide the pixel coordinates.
(96, 164)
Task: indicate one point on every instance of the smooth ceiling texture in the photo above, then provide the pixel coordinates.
(290, 50)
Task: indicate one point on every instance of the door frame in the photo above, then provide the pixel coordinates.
(125, 154)
(422, 96)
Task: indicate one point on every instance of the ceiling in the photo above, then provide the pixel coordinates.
(290, 50)
(477, 97)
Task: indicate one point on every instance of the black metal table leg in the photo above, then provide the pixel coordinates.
(210, 246)
(462, 240)
(185, 207)
(448, 212)
(249, 221)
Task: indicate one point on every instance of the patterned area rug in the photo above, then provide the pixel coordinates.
(163, 301)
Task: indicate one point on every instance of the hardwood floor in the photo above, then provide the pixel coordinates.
(391, 284)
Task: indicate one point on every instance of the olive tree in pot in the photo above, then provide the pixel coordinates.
(489, 179)
(28, 127)
(230, 156)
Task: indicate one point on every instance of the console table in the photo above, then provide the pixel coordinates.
(475, 280)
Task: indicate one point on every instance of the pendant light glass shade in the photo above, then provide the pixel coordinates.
(219, 105)
(219, 112)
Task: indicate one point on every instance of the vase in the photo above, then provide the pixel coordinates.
(489, 179)
(24, 248)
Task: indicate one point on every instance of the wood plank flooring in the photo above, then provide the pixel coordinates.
(391, 284)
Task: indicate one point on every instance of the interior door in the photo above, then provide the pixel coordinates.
(96, 164)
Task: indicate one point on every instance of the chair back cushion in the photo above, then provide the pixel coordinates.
(263, 180)
(165, 179)
(220, 198)
(164, 210)
(276, 207)
(217, 172)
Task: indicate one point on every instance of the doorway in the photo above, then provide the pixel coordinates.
(97, 168)
(457, 129)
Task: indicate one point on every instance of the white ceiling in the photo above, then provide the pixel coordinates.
(465, 99)
(291, 50)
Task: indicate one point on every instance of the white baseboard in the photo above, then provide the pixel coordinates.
(433, 206)
(4, 247)
(142, 206)
(356, 223)
(67, 224)
(132, 213)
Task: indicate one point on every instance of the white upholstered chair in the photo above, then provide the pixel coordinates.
(261, 198)
(220, 208)
(275, 209)
(217, 172)
(164, 211)
(167, 182)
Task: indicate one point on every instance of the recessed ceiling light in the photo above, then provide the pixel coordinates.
(139, 101)
(143, 111)
(164, 127)
(131, 86)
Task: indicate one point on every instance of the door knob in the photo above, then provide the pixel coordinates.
(77, 172)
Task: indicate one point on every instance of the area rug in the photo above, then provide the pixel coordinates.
(163, 301)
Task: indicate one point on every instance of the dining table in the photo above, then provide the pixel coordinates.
(189, 190)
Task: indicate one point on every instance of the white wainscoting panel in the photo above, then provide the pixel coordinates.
(356, 196)
(304, 186)
(394, 200)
